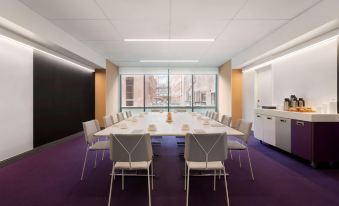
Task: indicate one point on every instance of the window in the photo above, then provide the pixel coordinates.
(156, 91)
(132, 90)
(168, 92)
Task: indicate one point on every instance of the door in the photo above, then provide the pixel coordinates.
(258, 126)
(283, 133)
(269, 130)
(301, 139)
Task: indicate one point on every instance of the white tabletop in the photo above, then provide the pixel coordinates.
(164, 128)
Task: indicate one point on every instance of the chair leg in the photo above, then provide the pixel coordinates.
(214, 177)
(152, 173)
(83, 168)
(185, 177)
(122, 180)
(239, 159)
(228, 200)
(95, 161)
(188, 186)
(149, 188)
(231, 154)
(110, 188)
(249, 161)
(103, 154)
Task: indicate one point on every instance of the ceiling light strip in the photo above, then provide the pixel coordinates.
(169, 40)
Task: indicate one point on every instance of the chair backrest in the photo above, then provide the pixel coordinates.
(131, 147)
(114, 118)
(226, 120)
(180, 110)
(215, 116)
(244, 127)
(209, 114)
(206, 114)
(120, 116)
(90, 128)
(108, 121)
(129, 113)
(205, 147)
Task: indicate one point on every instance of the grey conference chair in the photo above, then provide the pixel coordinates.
(114, 118)
(108, 121)
(131, 152)
(206, 114)
(226, 120)
(180, 110)
(156, 110)
(241, 144)
(215, 116)
(129, 113)
(205, 152)
(210, 114)
(120, 116)
(93, 143)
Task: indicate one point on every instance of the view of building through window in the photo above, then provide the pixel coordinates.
(168, 92)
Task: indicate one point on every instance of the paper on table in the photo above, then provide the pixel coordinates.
(137, 131)
(199, 131)
(217, 125)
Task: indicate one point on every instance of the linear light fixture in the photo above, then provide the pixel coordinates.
(57, 57)
(169, 40)
(298, 51)
(169, 61)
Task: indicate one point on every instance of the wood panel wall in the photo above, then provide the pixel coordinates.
(236, 95)
(100, 95)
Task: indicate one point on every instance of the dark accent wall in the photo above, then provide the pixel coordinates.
(338, 75)
(63, 97)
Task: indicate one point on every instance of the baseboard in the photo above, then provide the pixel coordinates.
(38, 149)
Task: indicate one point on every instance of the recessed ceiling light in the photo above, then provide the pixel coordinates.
(169, 40)
(169, 61)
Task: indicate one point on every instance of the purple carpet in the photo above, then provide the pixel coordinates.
(51, 177)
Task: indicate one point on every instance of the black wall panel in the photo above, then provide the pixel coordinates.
(63, 98)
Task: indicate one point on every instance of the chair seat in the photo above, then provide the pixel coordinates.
(133, 166)
(235, 145)
(100, 145)
(202, 165)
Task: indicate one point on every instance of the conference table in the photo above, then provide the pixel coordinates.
(140, 123)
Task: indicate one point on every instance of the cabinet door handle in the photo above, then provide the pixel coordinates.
(300, 123)
(283, 120)
(258, 116)
(269, 118)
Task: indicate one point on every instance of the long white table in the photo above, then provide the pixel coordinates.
(165, 128)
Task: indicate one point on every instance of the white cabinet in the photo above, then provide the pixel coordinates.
(258, 127)
(269, 130)
(264, 128)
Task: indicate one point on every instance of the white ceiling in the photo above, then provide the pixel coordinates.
(235, 24)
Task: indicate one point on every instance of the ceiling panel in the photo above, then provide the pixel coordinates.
(250, 29)
(66, 9)
(274, 9)
(89, 29)
(188, 28)
(135, 9)
(142, 29)
(202, 9)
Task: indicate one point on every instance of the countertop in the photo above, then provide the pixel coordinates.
(304, 116)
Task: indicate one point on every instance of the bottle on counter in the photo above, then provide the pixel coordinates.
(301, 102)
(286, 104)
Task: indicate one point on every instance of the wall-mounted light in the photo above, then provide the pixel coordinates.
(307, 48)
(57, 57)
(169, 61)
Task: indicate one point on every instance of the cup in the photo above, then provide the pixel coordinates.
(152, 127)
(123, 126)
(185, 127)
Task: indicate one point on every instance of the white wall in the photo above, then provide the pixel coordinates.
(249, 96)
(264, 88)
(311, 74)
(16, 99)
